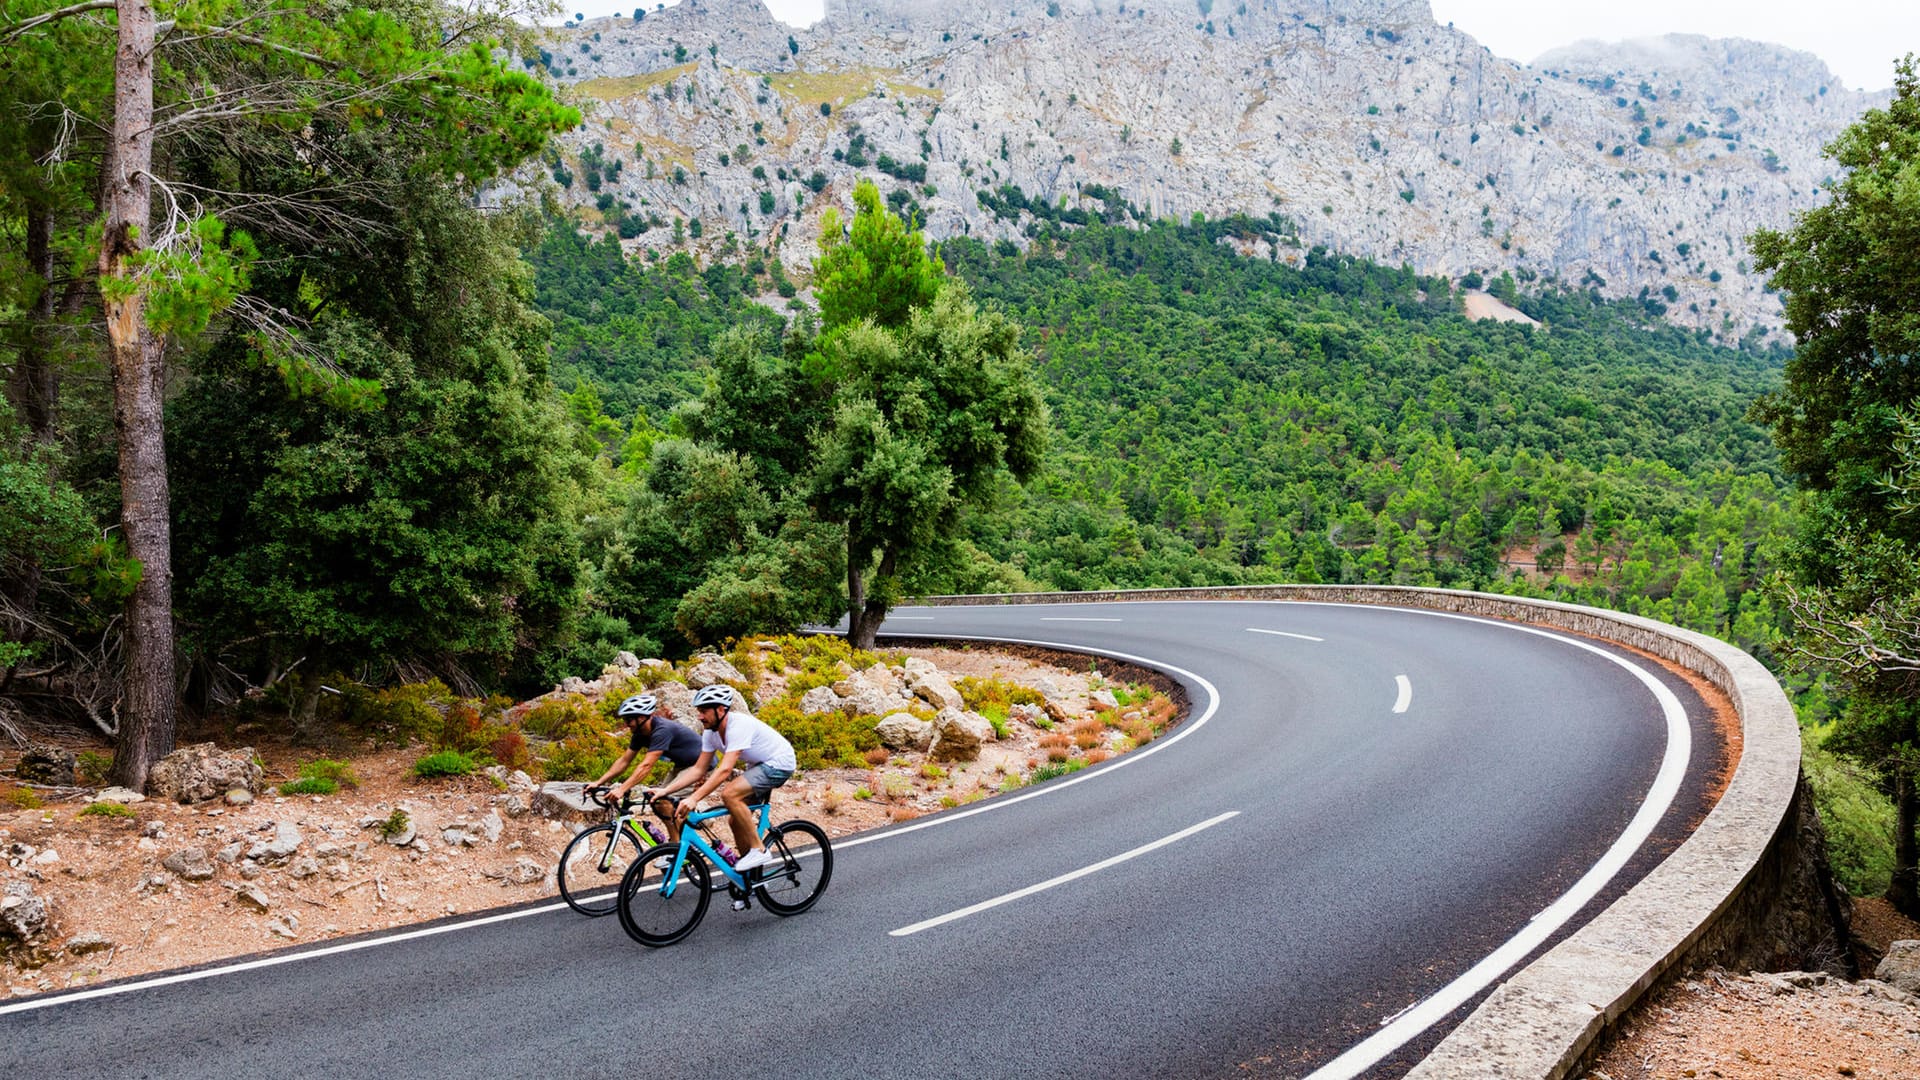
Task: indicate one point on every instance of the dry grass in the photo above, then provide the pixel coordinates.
(878, 756)
(814, 87)
(1087, 734)
(630, 86)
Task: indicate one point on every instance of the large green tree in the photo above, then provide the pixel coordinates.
(204, 119)
(1850, 274)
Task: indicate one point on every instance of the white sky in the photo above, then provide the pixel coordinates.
(1859, 39)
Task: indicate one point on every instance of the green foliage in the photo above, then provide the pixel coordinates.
(91, 767)
(20, 798)
(328, 771)
(992, 694)
(443, 763)
(823, 740)
(394, 824)
(1856, 814)
(411, 712)
(1052, 769)
(310, 785)
(107, 810)
(877, 269)
(582, 755)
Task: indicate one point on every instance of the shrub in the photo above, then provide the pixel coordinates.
(107, 809)
(830, 801)
(400, 714)
(1858, 816)
(309, 785)
(509, 748)
(20, 798)
(877, 756)
(993, 692)
(582, 755)
(93, 767)
(822, 740)
(932, 771)
(394, 824)
(553, 719)
(1055, 769)
(863, 793)
(338, 772)
(443, 763)
(1088, 734)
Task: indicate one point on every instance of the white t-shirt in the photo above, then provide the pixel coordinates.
(758, 744)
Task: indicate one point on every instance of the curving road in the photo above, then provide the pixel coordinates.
(1372, 801)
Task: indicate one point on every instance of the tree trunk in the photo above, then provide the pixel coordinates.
(1901, 891)
(860, 631)
(139, 377)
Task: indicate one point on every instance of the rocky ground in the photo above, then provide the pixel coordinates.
(1782, 1026)
(86, 897)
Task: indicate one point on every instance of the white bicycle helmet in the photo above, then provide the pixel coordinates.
(639, 705)
(717, 694)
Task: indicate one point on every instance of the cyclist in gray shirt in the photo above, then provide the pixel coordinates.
(654, 731)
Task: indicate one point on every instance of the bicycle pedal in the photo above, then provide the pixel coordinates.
(742, 904)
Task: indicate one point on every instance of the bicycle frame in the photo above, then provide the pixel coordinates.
(691, 837)
(632, 824)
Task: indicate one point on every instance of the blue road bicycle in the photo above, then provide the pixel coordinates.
(665, 894)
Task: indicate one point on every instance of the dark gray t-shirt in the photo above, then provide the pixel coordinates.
(674, 741)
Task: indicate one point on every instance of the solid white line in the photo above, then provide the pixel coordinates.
(921, 618)
(1406, 694)
(1666, 784)
(1073, 618)
(1017, 894)
(1081, 777)
(1283, 633)
(272, 961)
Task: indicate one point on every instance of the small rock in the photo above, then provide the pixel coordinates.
(957, 735)
(155, 829)
(935, 690)
(250, 896)
(124, 796)
(458, 837)
(904, 731)
(148, 843)
(285, 925)
(23, 916)
(523, 872)
(192, 864)
(229, 854)
(491, 827)
(710, 669)
(286, 841)
(304, 868)
(87, 943)
(820, 699)
(250, 870)
(239, 797)
(1103, 699)
(47, 857)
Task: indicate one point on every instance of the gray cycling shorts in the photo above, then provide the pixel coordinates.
(763, 778)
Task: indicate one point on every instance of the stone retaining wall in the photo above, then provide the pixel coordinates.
(1752, 872)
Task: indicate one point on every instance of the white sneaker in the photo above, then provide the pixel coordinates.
(753, 860)
(664, 864)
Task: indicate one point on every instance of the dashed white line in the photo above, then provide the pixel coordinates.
(1406, 694)
(1283, 633)
(1017, 894)
(1072, 618)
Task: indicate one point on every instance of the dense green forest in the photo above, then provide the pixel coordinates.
(1221, 418)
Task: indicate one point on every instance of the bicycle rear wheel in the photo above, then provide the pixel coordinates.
(806, 865)
(647, 913)
(590, 874)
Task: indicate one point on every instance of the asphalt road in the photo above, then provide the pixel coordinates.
(1371, 857)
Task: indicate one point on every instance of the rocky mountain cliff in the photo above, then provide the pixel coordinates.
(1636, 168)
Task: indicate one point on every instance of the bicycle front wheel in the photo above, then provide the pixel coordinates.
(592, 865)
(805, 866)
(659, 907)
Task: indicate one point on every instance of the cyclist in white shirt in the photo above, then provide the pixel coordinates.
(736, 737)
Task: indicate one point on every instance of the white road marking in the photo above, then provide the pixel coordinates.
(273, 961)
(999, 803)
(922, 618)
(1666, 784)
(1283, 633)
(1018, 894)
(1074, 618)
(1406, 694)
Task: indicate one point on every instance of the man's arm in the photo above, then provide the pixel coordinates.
(693, 774)
(639, 772)
(713, 778)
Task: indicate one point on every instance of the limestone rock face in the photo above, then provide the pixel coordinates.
(820, 699)
(1365, 126)
(203, 771)
(936, 691)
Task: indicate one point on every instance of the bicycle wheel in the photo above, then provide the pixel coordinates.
(590, 874)
(807, 859)
(647, 913)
